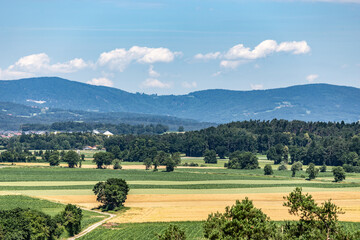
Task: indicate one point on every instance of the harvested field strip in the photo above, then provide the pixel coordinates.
(78, 192)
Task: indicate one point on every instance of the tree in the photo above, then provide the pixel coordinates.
(323, 168)
(173, 232)
(268, 170)
(72, 158)
(147, 163)
(316, 222)
(243, 160)
(112, 193)
(312, 171)
(181, 129)
(297, 166)
(103, 158)
(82, 158)
(210, 156)
(172, 161)
(117, 164)
(241, 221)
(54, 160)
(71, 219)
(339, 174)
(221, 151)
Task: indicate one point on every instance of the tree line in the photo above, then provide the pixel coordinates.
(121, 128)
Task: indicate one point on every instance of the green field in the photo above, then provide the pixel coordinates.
(143, 231)
(18, 201)
(148, 231)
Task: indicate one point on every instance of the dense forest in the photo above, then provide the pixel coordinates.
(121, 128)
(333, 144)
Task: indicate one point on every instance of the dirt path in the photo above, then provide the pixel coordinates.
(95, 225)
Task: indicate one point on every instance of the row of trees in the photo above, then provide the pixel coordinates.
(121, 128)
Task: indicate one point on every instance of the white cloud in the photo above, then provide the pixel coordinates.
(101, 82)
(189, 84)
(232, 64)
(31, 65)
(152, 72)
(155, 83)
(9, 74)
(266, 48)
(312, 77)
(257, 86)
(120, 58)
(208, 56)
(237, 54)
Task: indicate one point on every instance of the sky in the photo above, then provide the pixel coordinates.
(177, 47)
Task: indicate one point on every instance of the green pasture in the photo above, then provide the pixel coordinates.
(18, 201)
(148, 231)
(143, 231)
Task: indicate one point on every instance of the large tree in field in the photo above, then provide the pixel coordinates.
(210, 156)
(312, 171)
(72, 158)
(71, 219)
(112, 193)
(243, 160)
(339, 174)
(103, 159)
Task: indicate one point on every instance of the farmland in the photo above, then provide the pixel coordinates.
(187, 194)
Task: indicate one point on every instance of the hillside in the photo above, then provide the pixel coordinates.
(312, 102)
(13, 115)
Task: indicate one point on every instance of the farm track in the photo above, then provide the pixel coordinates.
(94, 226)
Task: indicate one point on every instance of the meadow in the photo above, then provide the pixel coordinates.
(185, 196)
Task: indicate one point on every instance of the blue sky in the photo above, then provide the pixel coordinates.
(176, 47)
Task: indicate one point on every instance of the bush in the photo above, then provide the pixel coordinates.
(243, 160)
(268, 170)
(117, 164)
(323, 168)
(339, 174)
(282, 167)
(173, 232)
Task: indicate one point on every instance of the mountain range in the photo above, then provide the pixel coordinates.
(311, 102)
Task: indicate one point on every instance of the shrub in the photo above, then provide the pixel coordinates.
(268, 170)
(173, 232)
(243, 160)
(339, 174)
(117, 164)
(282, 167)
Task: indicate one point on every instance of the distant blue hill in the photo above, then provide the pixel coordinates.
(312, 102)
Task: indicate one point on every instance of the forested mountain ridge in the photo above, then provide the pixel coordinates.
(15, 116)
(312, 102)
